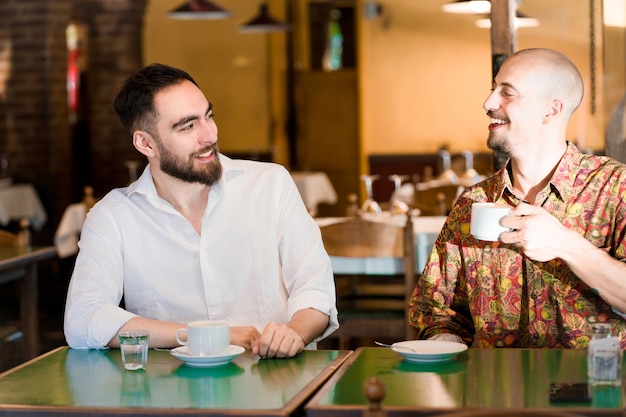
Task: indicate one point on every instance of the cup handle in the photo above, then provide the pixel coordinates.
(178, 336)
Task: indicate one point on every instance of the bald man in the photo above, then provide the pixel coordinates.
(561, 268)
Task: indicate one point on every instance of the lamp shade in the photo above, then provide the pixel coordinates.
(199, 9)
(521, 21)
(467, 7)
(263, 23)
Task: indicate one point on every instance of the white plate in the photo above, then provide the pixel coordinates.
(183, 354)
(429, 351)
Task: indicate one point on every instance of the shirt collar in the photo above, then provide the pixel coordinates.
(232, 168)
(561, 183)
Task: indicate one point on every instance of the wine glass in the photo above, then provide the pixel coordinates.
(448, 174)
(370, 205)
(397, 205)
(470, 173)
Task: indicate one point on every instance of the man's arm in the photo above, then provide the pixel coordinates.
(162, 333)
(599, 270)
(287, 340)
(542, 238)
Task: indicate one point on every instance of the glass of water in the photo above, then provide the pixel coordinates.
(134, 348)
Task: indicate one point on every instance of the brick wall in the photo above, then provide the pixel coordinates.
(114, 36)
(43, 147)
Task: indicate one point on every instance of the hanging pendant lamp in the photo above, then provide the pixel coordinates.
(263, 23)
(199, 10)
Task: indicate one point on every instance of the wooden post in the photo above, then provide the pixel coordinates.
(503, 44)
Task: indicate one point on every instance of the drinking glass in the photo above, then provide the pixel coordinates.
(397, 205)
(134, 348)
(370, 205)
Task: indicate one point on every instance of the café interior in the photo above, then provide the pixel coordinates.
(399, 106)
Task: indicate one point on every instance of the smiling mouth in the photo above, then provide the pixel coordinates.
(205, 154)
(494, 122)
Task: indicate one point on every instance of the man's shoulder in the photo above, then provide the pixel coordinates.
(251, 166)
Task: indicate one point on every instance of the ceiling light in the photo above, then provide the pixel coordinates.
(263, 23)
(467, 7)
(199, 9)
(521, 21)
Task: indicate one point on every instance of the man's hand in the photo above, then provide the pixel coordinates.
(278, 341)
(245, 336)
(447, 337)
(539, 234)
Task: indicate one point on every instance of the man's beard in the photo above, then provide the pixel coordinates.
(185, 171)
(498, 144)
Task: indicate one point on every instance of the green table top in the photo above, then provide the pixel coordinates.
(75, 380)
(495, 379)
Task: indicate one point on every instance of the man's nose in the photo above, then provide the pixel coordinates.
(209, 131)
(490, 102)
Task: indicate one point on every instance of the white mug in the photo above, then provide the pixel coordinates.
(485, 222)
(206, 337)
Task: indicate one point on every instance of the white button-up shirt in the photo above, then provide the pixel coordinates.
(259, 258)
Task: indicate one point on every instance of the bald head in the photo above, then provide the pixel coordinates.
(555, 73)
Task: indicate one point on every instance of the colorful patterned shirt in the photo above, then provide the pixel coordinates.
(491, 295)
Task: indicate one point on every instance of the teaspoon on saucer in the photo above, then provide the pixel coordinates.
(395, 346)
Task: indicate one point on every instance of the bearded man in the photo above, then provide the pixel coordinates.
(198, 236)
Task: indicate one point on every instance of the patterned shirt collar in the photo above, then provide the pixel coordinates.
(560, 184)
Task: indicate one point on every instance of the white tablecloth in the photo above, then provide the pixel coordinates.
(426, 229)
(315, 188)
(68, 231)
(19, 201)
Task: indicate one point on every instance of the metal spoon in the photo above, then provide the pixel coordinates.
(395, 346)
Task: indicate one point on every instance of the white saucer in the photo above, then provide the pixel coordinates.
(429, 351)
(183, 354)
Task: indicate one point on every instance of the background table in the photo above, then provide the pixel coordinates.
(89, 382)
(21, 264)
(502, 380)
(315, 188)
(68, 231)
(21, 200)
(426, 229)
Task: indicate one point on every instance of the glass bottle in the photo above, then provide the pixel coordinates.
(332, 59)
(604, 357)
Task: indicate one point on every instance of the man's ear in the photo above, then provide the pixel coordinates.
(554, 110)
(143, 142)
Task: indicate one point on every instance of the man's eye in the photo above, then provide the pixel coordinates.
(210, 116)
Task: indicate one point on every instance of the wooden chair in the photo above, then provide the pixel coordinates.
(435, 201)
(21, 239)
(372, 306)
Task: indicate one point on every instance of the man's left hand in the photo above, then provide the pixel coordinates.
(278, 341)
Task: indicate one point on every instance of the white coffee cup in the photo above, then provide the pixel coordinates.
(485, 222)
(205, 337)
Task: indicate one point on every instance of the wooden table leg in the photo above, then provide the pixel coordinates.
(29, 311)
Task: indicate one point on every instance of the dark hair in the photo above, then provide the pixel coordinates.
(134, 102)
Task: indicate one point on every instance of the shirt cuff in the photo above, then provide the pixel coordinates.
(448, 337)
(105, 324)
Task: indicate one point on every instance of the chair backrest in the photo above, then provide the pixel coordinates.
(21, 239)
(436, 201)
(358, 237)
